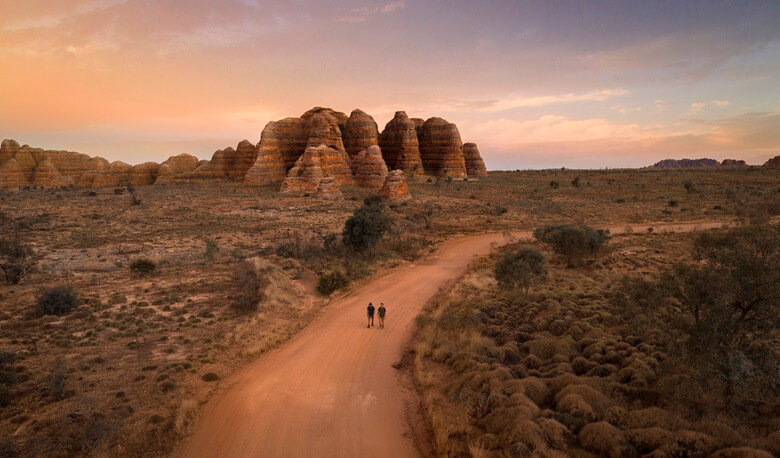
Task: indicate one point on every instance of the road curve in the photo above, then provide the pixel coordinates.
(330, 391)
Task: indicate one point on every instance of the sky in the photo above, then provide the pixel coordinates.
(536, 84)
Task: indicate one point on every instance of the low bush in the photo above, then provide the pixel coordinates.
(16, 260)
(58, 300)
(575, 243)
(518, 270)
(367, 225)
(251, 288)
(143, 266)
(332, 281)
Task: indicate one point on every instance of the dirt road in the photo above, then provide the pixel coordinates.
(331, 391)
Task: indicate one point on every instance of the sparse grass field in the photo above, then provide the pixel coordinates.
(125, 371)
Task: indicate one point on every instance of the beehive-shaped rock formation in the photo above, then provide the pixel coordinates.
(118, 174)
(11, 175)
(369, 168)
(241, 160)
(395, 188)
(475, 166)
(418, 123)
(773, 163)
(441, 149)
(399, 144)
(316, 163)
(46, 175)
(144, 174)
(360, 133)
(8, 149)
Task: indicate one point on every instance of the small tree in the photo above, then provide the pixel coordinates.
(689, 186)
(134, 199)
(250, 285)
(554, 184)
(367, 225)
(576, 182)
(517, 271)
(719, 312)
(16, 260)
(574, 243)
(211, 249)
(58, 300)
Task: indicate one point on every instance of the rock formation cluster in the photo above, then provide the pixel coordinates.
(317, 153)
(773, 163)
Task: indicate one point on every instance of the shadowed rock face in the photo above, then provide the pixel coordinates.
(215, 169)
(773, 163)
(316, 163)
(395, 188)
(399, 145)
(441, 149)
(360, 133)
(418, 123)
(475, 166)
(369, 168)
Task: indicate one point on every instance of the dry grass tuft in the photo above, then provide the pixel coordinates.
(604, 439)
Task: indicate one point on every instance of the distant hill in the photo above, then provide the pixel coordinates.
(689, 163)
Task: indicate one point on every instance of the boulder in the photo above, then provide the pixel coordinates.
(475, 166)
(395, 188)
(118, 174)
(369, 168)
(773, 163)
(46, 175)
(8, 149)
(360, 133)
(399, 145)
(441, 149)
(733, 163)
(144, 174)
(12, 176)
(316, 163)
(328, 189)
(241, 160)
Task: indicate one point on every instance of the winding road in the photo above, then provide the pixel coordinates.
(331, 391)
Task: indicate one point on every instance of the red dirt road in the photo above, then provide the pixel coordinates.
(331, 391)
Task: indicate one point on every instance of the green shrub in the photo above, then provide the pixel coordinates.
(210, 377)
(518, 270)
(554, 184)
(575, 243)
(367, 225)
(330, 282)
(58, 300)
(143, 266)
(16, 260)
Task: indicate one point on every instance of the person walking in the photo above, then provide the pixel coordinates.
(370, 311)
(382, 311)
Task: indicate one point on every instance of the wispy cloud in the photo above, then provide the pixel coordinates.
(512, 102)
(54, 20)
(698, 106)
(362, 14)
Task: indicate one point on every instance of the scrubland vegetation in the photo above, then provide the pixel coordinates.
(663, 345)
(121, 310)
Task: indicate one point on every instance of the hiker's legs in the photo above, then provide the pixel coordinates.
(381, 322)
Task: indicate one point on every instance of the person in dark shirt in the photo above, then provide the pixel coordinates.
(382, 311)
(370, 310)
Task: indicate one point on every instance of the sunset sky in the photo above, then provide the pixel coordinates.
(535, 84)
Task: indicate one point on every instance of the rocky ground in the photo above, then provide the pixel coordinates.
(126, 371)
